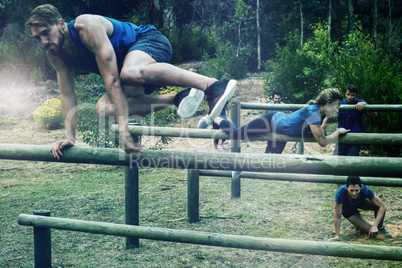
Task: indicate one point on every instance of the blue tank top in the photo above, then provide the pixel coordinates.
(124, 36)
(296, 123)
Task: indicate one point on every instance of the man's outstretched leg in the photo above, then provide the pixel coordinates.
(140, 68)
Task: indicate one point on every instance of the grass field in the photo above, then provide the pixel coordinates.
(289, 210)
(300, 211)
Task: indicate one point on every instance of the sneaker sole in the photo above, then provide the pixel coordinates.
(189, 105)
(204, 122)
(230, 89)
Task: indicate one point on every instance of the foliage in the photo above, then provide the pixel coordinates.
(225, 63)
(378, 79)
(299, 72)
(96, 131)
(236, 49)
(190, 43)
(49, 115)
(166, 116)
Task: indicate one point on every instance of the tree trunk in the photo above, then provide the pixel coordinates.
(258, 37)
(301, 24)
(375, 22)
(390, 23)
(329, 22)
(350, 16)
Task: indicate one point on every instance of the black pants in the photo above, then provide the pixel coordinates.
(254, 128)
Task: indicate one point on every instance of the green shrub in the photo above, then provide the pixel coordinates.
(166, 116)
(299, 72)
(378, 78)
(225, 63)
(95, 130)
(49, 115)
(189, 44)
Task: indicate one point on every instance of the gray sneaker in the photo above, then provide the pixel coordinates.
(217, 96)
(187, 101)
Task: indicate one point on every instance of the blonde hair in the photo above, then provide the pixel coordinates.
(326, 96)
(43, 16)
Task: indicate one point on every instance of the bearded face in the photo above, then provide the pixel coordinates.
(51, 38)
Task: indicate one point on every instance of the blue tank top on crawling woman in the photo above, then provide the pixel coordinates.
(124, 36)
(295, 123)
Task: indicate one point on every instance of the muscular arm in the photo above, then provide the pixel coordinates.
(337, 220)
(69, 104)
(93, 31)
(323, 140)
(380, 214)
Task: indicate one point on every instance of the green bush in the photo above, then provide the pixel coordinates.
(49, 115)
(190, 44)
(299, 72)
(225, 63)
(378, 78)
(96, 131)
(166, 116)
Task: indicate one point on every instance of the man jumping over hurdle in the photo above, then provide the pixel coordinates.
(130, 59)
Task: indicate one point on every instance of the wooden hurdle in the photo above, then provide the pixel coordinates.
(43, 224)
(193, 175)
(300, 164)
(363, 138)
(292, 164)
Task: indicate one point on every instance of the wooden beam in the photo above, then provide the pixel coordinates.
(294, 107)
(394, 182)
(216, 239)
(363, 138)
(282, 163)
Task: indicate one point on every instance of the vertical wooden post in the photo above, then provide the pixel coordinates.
(235, 145)
(42, 243)
(132, 199)
(300, 147)
(193, 195)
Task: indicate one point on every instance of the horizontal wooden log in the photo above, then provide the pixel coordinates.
(363, 138)
(282, 163)
(294, 107)
(216, 239)
(394, 182)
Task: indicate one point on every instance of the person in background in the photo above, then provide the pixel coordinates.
(276, 99)
(353, 196)
(352, 120)
(215, 126)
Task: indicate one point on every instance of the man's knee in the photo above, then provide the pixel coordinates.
(133, 76)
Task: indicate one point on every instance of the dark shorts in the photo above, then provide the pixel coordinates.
(155, 44)
(347, 213)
